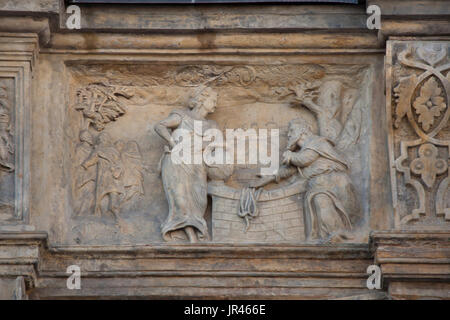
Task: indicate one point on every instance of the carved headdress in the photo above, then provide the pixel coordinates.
(203, 90)
(197, 96)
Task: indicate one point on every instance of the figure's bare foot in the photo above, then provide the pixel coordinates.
(192, 235)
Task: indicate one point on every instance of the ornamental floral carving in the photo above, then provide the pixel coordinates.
(428, 165)
(420, 148)
(429, 104)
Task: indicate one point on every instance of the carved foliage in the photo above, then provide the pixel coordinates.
(429, 104)
(107, 173)
(100, 104)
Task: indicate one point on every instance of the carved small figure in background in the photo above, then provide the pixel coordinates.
(133, 176)
(85, 178)
(104, 168)
(108, 176)
(185, 185)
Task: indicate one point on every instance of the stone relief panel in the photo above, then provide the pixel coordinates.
(108, 172)
(418, 110)
(7, 149)
(125, 188)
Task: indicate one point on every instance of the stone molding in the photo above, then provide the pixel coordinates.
(414, 264)
(415, 261)
(19, 258)
(220, 270)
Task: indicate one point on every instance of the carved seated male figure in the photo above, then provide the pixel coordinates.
(330, 206)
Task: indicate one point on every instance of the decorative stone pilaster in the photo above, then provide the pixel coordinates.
(19, 251)
(418, 93)
(17, 55)
(418, 113)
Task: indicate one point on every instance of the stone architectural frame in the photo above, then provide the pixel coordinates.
(370, 61)
(414, 263)
(17, 57)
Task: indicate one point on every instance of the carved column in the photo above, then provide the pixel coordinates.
(418, 112)
(18, 244)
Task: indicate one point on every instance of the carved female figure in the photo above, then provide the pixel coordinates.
(185, 185)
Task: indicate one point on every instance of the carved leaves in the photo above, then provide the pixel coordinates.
(429, 104)
(423, 110)
(100, 104)
(402, 94)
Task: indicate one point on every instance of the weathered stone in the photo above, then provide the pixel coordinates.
(90, 121)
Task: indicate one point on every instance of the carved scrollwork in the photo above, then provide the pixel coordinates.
(428, 165)
(423, 95)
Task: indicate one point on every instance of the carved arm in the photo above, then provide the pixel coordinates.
(162, 128)
(91, 160)
(300, 159)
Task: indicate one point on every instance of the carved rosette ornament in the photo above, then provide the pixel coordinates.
(418, 101)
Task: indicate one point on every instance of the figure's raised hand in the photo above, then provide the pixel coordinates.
(286, 157)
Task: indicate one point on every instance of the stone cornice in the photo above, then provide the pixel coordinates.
(26, 25)
(412, 255)
(406, 18)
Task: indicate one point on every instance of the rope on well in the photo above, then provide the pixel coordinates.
(248, 205)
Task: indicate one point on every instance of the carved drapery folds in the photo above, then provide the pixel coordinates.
(116, 105)
(418, 104)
